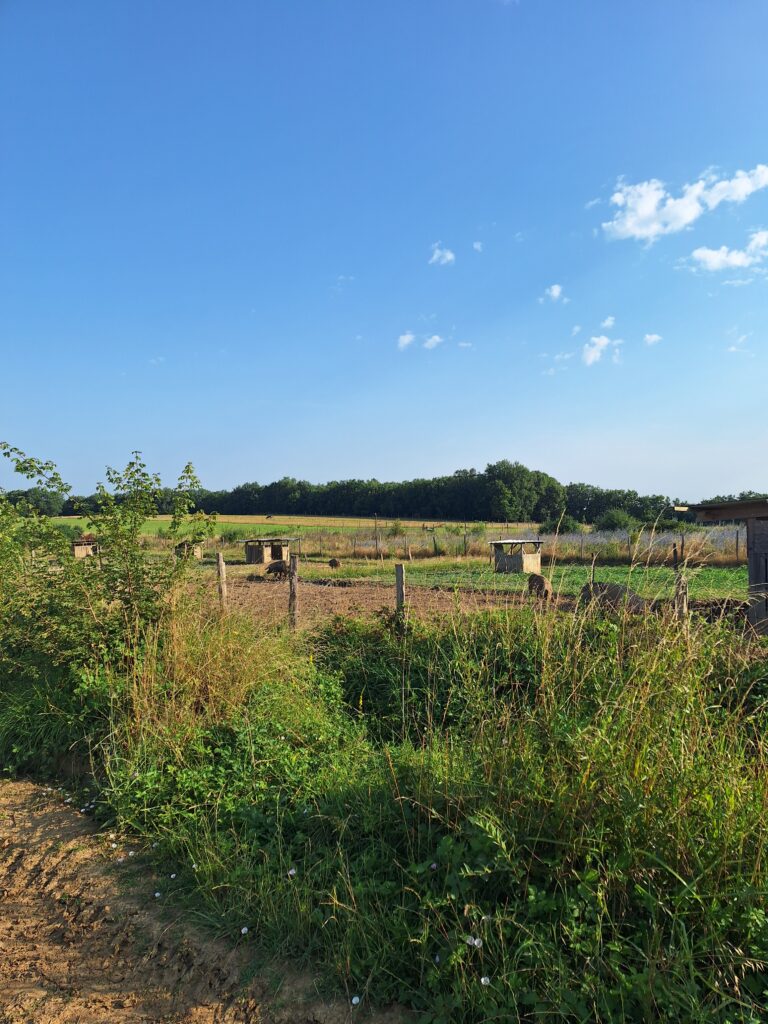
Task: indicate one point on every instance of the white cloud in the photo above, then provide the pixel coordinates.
(157, 360)
(405, 340)
(593, 349)
(433, 341)
(562, 356)
(729, 259)
(555, 294)
(592, 203)
(576, 329)
(608, 322)
(441, 256)
(477, 246)
(739, 340)
(652, 339)
(465, 344)
(738, 282)
(647, 210)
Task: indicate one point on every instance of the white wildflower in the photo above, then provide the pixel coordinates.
(485, 980)
(355, 1000)
(244, 930)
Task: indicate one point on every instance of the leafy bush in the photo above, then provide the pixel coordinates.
(561, 524)
(617, 519)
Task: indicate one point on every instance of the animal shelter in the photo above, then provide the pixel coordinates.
(511, 555)
(753, 511)
(267, 549)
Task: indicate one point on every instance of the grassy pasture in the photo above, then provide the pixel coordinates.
(349, 537)
(649, 581)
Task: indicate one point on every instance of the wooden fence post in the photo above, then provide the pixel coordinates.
(681, 596)
(737, 545)
(221, 568)
(682, 547)
(293, 591)
(400, 587)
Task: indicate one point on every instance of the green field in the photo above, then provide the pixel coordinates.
(705, 583)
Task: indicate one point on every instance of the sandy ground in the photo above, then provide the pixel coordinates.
(268, 599)
(83, 941)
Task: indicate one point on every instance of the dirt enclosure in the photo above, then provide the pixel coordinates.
(267, 599)
(84, 941)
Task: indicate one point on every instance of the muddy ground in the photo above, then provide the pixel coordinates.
(84, 941)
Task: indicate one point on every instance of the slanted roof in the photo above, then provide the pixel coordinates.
(517, 540)
(717, 511)
(269, 540)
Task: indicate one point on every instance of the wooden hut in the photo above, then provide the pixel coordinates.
(85, 546)
(753, 511)
(187, 549)
(511, 555)
(267, 549)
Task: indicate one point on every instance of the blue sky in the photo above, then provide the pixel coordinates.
(334, 238)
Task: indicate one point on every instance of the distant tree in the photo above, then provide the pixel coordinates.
(617, 519)
(566, 524)
(500, 504)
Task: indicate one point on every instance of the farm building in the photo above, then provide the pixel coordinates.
(753, 511)
(511, 556)
(85, 546)
(186, 549)
(266, 549)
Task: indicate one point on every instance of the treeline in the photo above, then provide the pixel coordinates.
(504, 492)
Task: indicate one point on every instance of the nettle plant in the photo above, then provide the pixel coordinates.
(58, 610)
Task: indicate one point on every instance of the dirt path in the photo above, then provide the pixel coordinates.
(82, 941)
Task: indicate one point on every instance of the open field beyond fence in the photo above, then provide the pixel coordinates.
(318, 537)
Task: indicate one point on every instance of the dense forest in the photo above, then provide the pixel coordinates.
(504, 492)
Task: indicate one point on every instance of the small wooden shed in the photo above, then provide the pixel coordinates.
(511, 555)
(267, 549)
(85, 546)
(187, 549)
(753, 511)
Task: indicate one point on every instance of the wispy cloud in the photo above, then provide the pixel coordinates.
(157, 360)
(738, 341)
(465, 344)
(576, 329)
(342, 280)
(593, 349)
(646, 211)
(441, 256)
(477, 246)
(433, 341)
(562, 357)
(608, 322)
(652, 339)
(405, 340)
(724, 258)
(555, 294)
(592, 203)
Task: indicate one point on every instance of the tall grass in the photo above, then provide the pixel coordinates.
(499, 817)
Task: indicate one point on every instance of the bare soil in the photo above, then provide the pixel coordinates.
(318, 600)
(83, 941)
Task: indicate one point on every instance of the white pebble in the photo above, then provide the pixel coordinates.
(244, 930)
(485, 980)
(355, 1000)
